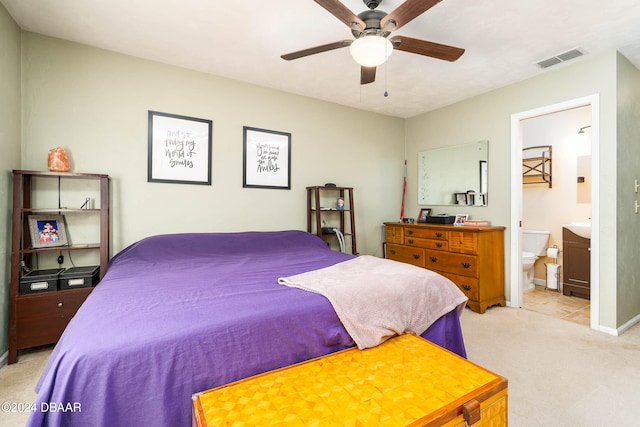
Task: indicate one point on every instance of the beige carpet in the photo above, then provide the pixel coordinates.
(18, 381)
(560, 373)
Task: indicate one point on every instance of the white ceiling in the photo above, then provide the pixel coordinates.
(243, 40)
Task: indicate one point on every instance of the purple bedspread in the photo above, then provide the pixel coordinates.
(178, 314)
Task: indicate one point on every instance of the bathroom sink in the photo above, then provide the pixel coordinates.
(582, 229)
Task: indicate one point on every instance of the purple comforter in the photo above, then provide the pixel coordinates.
(178, 314)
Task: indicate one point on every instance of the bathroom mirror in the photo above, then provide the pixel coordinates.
(454, 175)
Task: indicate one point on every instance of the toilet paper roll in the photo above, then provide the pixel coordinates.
(553, 252)
(553, 275)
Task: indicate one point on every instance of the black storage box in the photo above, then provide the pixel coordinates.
(79, 277)
(40, 281)
(440, 219)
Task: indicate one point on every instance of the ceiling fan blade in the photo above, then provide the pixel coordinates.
(316, 49)
(423, 47)
(405, 13)
(367, 75)
(342, 12)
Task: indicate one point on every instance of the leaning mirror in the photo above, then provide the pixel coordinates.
(454, 175)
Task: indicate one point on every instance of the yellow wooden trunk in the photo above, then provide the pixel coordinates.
(406, 381)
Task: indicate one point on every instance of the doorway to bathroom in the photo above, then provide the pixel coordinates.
(559, 196)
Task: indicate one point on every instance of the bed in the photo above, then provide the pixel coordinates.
(177, 314)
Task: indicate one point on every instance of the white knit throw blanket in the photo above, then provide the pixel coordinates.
(377, 298)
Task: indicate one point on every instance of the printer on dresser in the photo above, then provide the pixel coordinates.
(472, 257)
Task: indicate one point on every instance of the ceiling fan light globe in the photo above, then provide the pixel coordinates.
(371, 51)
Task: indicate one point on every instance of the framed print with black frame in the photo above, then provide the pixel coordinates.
(266, 160)
(47, 231)
(424, 213)
(179, 149)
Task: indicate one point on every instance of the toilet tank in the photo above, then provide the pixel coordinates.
(535, 241)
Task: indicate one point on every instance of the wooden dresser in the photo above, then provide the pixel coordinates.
(472, 257)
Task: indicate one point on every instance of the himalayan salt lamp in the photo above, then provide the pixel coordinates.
(58, 160)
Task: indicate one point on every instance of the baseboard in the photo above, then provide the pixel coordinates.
(4, 358)
(543, 282)
(621, 329)
(624, 328)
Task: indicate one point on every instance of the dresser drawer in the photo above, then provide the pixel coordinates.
(463, 242)
(426, 233)
(41, 318)
(393, 234)
(464, 265)
(406, 254)
(440, 245)
(470, 286)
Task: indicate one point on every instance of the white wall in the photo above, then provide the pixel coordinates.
(94, 103)
(10, 149)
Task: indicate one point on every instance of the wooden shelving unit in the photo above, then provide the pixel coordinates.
(322, 205)
(536, 165)
(39, 318)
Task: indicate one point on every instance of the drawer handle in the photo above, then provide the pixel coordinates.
(392, 251)
(466, 264)
(416, 256)
(60, 304)
(438, 245)
(438, 234)
(409, 231)
(466, 287)
(410, 241)
(433, 259)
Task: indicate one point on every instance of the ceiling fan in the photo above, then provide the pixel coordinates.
(371, 30)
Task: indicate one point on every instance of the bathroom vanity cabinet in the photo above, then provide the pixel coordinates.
(576, 264)
(471, 257)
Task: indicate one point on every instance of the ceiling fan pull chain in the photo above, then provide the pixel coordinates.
(386, 73)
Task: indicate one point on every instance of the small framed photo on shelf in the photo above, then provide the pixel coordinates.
(460, 219)
(340, 203)
(47, 231)
(424, 213)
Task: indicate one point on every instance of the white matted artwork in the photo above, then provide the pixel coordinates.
(267, 159)
(179, 149)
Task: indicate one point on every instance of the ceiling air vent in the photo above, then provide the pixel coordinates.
(562, 57)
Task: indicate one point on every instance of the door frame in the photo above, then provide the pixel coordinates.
(516, 198)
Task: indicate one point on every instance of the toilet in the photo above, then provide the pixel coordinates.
(534, 244)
